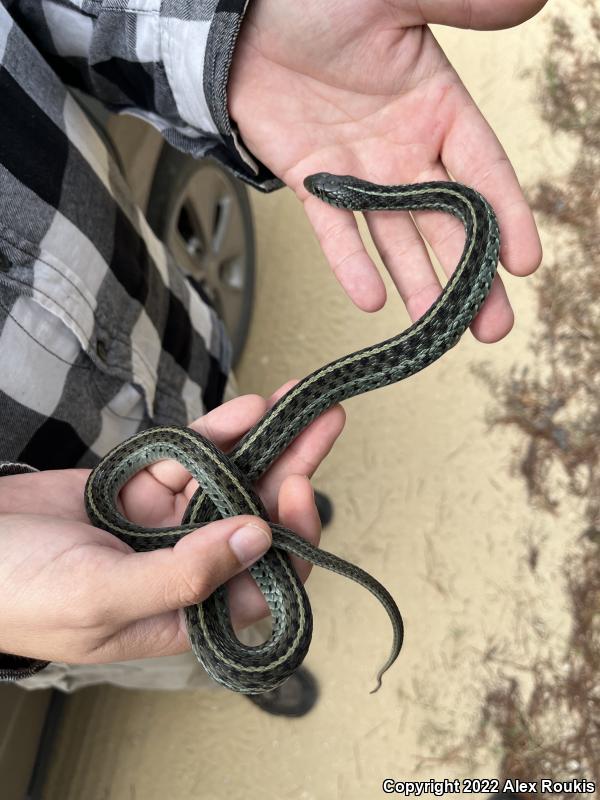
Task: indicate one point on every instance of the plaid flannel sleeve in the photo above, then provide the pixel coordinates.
(166, 61)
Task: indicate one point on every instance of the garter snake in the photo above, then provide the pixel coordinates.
(226, 481)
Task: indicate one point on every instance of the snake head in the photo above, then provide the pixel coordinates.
(325, 186)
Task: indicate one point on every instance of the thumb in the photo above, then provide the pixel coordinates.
(480, 14)
(145, 584)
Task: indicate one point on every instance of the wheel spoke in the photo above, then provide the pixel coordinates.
(229, 240)
(188, 259)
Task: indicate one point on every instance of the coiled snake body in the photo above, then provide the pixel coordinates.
(226, 480)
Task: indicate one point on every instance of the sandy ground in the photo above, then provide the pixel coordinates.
(423, 500)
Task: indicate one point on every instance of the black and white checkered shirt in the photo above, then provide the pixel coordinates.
(100, 334)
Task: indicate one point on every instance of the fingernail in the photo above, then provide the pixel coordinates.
(249, 543)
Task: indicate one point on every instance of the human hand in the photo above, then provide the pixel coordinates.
(364, 88)
(71, 592)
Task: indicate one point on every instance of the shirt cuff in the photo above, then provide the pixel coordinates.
(14, 468)
(197, 58)
(15, 668)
